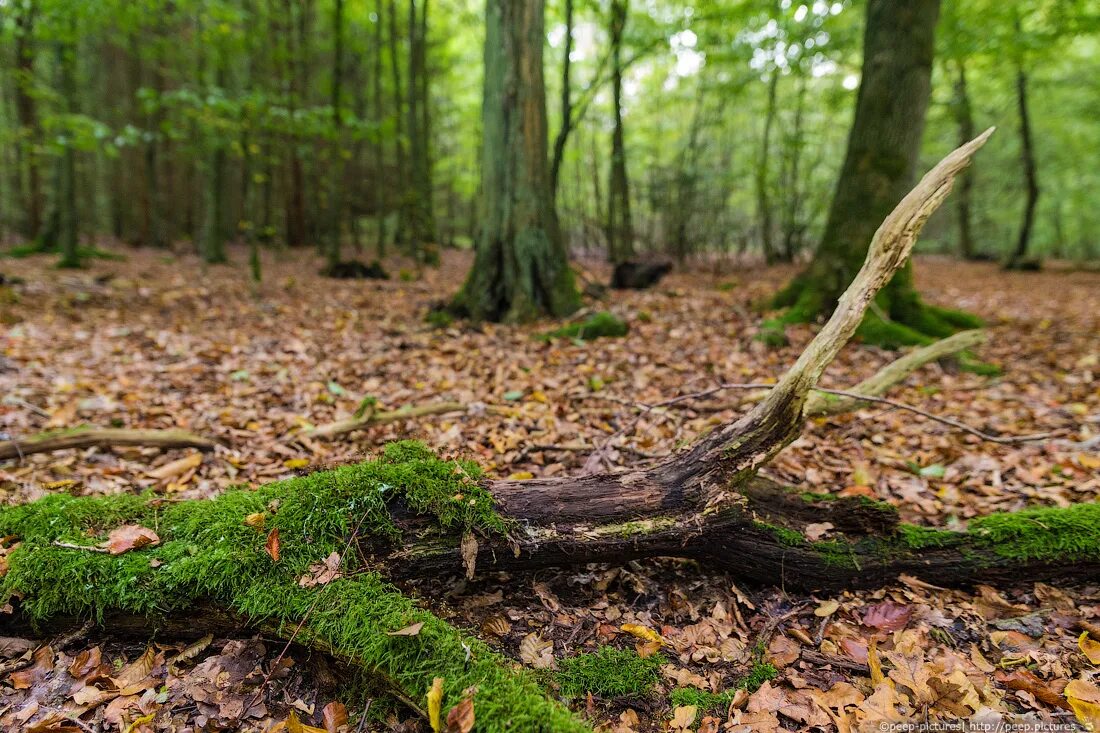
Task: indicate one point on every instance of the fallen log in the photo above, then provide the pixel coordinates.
(89, 437)
(309, 556)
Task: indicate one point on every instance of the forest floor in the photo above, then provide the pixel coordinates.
(155, 342)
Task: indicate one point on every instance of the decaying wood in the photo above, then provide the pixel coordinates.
(102, 437)
(370, 417)
(822, 405)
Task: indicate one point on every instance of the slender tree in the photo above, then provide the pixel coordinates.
(520, 268)
(1019, 257)
(620, 226)
(879, 167)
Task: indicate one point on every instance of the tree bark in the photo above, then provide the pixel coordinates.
(620, 227)
(964, 117)
(417, 208)
(763, 202)
(520, 270)
(1031, 175)
(566, 102)
(26, 115)
(68, 221)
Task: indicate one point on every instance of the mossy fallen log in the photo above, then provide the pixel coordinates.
(214, 551)
(408, 513)
(89, 437)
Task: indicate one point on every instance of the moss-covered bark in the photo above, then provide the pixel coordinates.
(521, 270)
(208, 550)
(878, 170)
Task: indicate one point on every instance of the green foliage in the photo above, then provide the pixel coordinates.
(610, 672)
(207, 551)
(598, 325)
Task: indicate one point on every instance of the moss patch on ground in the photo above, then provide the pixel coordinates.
(610, 672)
(708, 702)
(598, 325)
(207, 551)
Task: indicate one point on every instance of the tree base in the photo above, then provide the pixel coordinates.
(898, 317)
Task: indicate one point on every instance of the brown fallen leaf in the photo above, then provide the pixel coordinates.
(130, 537)
(887, 616)
(1022, 679)
(136, 674)
(468, 549)
(176, 468)
(335, 716)
(12, 647)
(460, 719)
(271, 547)
(322, 573)
(85, 662)
(536, 652)
(410, 630)
(41, 666)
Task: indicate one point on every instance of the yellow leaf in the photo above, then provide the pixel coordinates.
(827, 608)
(642, 632)
(176, 468)
(294, 725)
(1089, 648)
(296, 463)
(538, 396)
(256, 520)
(874, 664)
(1084, 698)
(435, 704)
(521, 476)
(1087, 461)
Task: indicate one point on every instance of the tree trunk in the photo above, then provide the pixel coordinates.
(964, 117)
(378, 197)
(26, 116)
(763, 202)
(1031, 176)
(418, 213)
(68, 222)
(881, 159)
(521, 270)
(566, 102)
(398, 115)
(620, 228)
(336, 182)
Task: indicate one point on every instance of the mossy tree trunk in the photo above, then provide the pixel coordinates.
(520, 270)
(620, 226)
(879, 167)
(763, 199)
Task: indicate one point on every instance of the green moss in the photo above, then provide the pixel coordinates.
(208, 552)
(598, 325)
(914, 537)
(439, 318)
(1057, 534)
(710, 702)
(760, 673)
(609, 672)
(784, 536)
